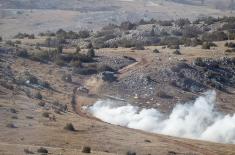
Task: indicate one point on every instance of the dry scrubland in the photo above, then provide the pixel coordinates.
(28, 124)
(77, 15)
(48, 77)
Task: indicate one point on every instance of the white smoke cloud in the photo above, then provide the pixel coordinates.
(197, 120)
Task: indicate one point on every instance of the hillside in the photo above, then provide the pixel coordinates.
(39, 16)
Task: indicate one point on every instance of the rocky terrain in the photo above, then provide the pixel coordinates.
(58, 59)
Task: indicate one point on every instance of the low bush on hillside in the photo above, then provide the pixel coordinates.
(177, 52)
(67, 78)
(42, 150)
(22, 53)
(46, 114)
(86, 149)
(130, 153)
(24, 35)
(156, 51)
(215, 36)
(230, 44)
(69, 127)
(208, 45)
(165, 23)
(182, 22)
(38, 96)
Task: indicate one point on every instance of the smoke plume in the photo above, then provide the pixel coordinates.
(197, 120)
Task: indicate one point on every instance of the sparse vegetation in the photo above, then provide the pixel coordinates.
(38, 96)
(46, 114)
(67, 78)
(11, 125)
(86, 149)
(130, 153)
(230, 44)
(91, 53)
(42, 150)
(69, 127)
(27, 151)
(177, 52)
(206, 45)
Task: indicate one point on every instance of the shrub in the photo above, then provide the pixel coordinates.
(139, 46)
(174, 46)
(206, 45)
(10, 43)
(86, 149)
(42, 150)
(214, 36)
(127, 25)
(89, 45)
(130, 153)
(27, 151)
(170, 41)
(60, 49)
(91, 53)
(38, 95)
(44, 56)
(78, 49)
(67, 78)
(12, 110)
(76, 63)
(18, 42)
(182, 22)
(11, 125)
(191, 31)
(69, 127)
(31, 36)
(156, 51)
(230, 44)
(45, 84)
(31, 78)
(84, 34)
(165, 23)
(176, 32)
(102, 68)
(59, 61)
(85, 71)
(230, 50)
(177, 52)
(199, 62)
(41, 104)
(162, 94)
(46, 114)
